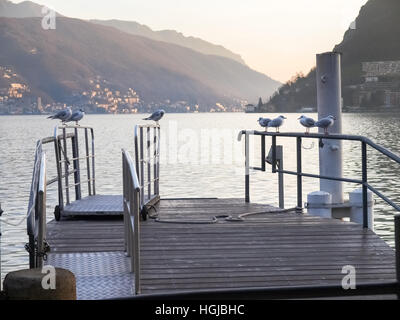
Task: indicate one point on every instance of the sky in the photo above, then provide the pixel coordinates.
(276, 37)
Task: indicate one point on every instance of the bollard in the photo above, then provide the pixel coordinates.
(27, 285)
(319, 204)
(356, 203)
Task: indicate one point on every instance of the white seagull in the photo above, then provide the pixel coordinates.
(307, 122)
(156, 116)
(77, 116)
(62, 115)
(325, 123)
(264, 122)
(277, 122)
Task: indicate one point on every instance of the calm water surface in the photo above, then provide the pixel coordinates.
(192, 164)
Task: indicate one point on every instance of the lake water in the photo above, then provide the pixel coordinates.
(192, 164)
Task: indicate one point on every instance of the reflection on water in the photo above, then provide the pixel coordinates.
(192, 166)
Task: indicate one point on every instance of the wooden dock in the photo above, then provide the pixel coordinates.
(192, 246)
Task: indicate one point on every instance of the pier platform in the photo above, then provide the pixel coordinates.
(192, 244)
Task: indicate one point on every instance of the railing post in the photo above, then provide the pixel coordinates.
(57, 149)
(263, 153)
(281, 185)
(247, 170)
(41, 209)
(77, 173)
(66, 169)
(93, 163)
(137, 163)
(136, 233)
(148, 163)
(299, 177)
(155, 175)
(141, 168)
(364, 187)
(273, 162)
(88, 161)
(158, 159)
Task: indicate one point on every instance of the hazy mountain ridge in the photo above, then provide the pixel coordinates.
(23, 9)
(28, 9)
(375, 38)
(171, 36)
(66, 58)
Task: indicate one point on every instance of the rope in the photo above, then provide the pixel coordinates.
(215, 219)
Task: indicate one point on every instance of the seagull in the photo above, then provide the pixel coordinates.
(277, 122)
(325, 123)
(62, 115)
(307, 122)
(264, 122)
(156, 116)
(76, 116)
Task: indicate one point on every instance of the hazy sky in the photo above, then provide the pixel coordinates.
(276, 37)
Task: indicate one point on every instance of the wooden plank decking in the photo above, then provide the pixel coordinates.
(264, 250)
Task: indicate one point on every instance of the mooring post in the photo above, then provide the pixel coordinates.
(247, 168)
(1, 283)
(397, 245)
(329, 99)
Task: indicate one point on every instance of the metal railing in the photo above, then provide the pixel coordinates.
(147, 138)
(64, 162)
(131, 200)
(300, 174)
(36, 216)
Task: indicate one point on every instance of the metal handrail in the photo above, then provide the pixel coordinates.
(299, 136)
(36, 216)
(152, 141)
(63, 163)
(131, 202)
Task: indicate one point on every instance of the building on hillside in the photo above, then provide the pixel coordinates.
(381, 86)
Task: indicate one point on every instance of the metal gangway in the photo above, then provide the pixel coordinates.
(73, 200)
(74, 170)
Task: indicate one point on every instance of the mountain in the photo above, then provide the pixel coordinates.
(375, 38)
(171, 36)
(59, 64)
(25, 9)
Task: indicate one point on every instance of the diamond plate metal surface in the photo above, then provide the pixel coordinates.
(99, 275)
(96, 205)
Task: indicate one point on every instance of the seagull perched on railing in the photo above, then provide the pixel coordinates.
(277, 122)
(264, 122)
(62, 115)
(77, 116)
(307, 122)
(156, 116)
(325, 123)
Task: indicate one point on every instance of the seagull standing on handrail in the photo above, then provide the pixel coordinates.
(156, 116)
(277, 122)
(325, 123)
(307, 122)
(77, 116)
(62, 115)
(264, 122)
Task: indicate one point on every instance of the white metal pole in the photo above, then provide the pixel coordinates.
(329, 99)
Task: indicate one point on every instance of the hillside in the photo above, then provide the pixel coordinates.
(58, 64)
(375, 38)
(24, 9)
(28, 9)
(171, 36)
